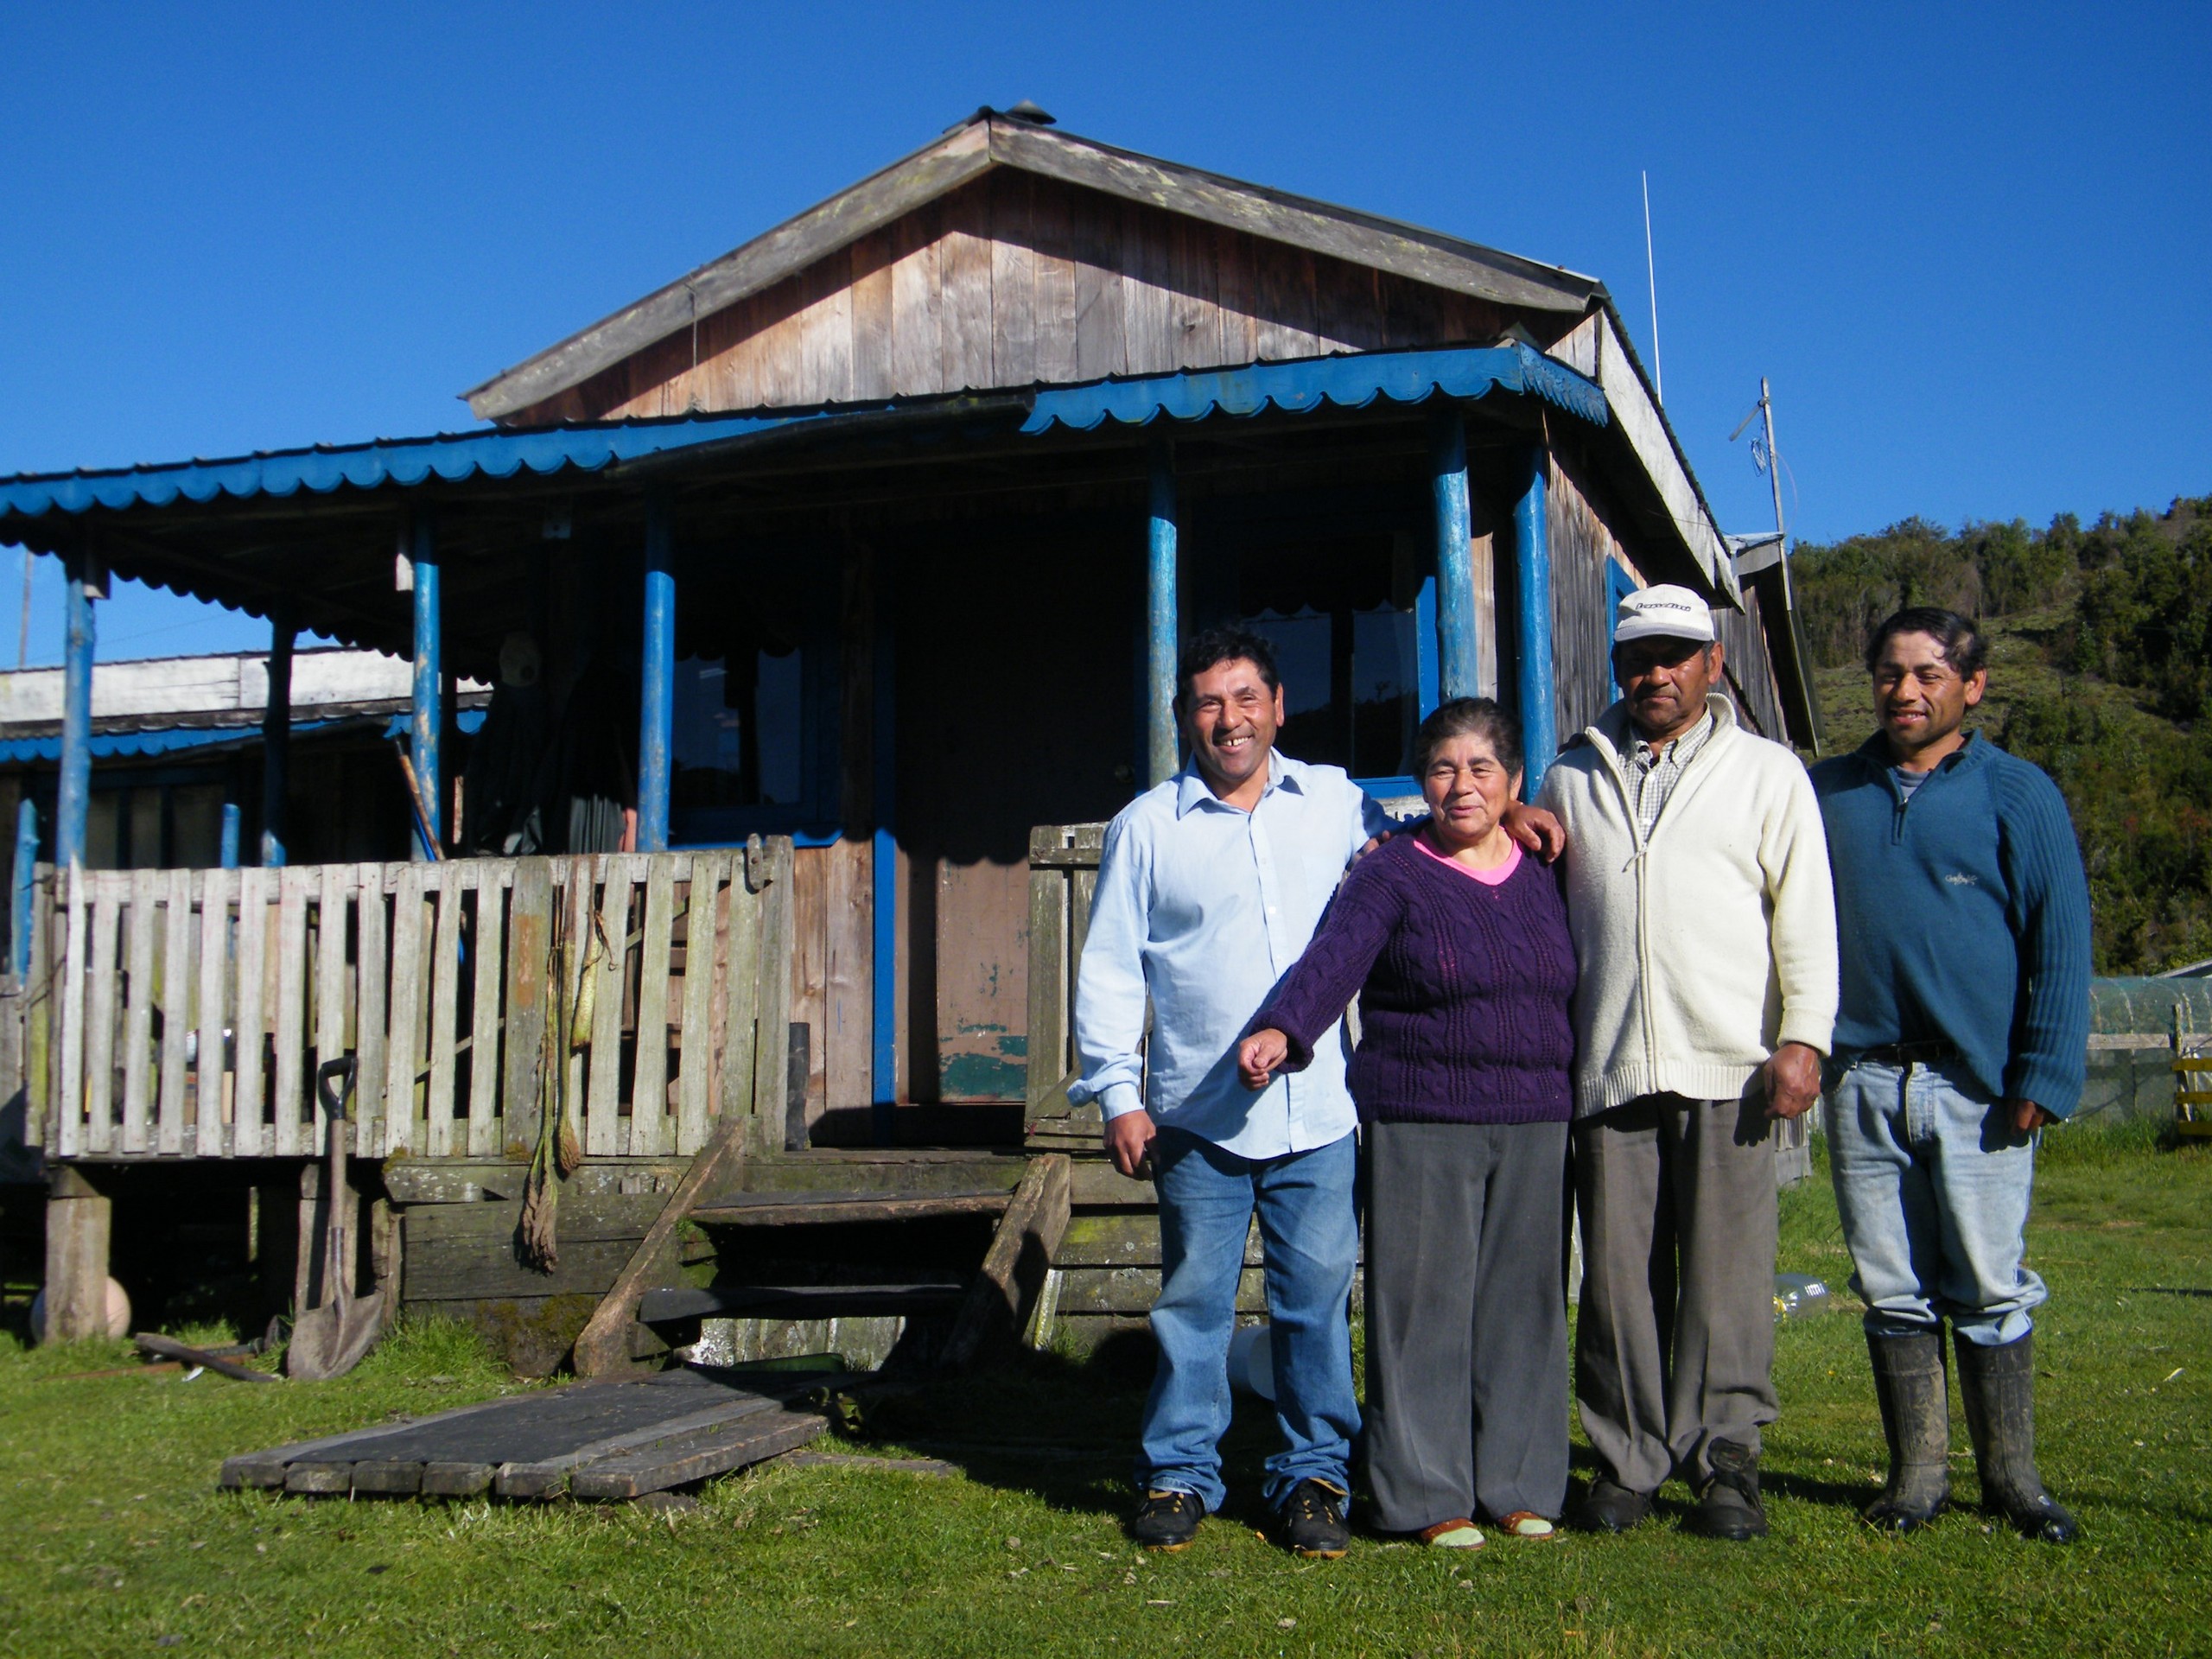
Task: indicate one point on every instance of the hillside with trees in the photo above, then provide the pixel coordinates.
(2101, 673)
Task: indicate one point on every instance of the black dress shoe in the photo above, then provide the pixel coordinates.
(1168, 1521)
(1729, 1506)
(1611, 1507)
(1313, 1521)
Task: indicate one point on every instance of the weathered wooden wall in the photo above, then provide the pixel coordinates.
(1011, 281)
(1582, 543)
(1750, 672)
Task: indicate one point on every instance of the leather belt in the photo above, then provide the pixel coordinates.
(1909, 1053)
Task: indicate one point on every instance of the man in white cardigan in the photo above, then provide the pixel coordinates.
(1704, 923)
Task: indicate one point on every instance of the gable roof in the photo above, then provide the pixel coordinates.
(990, 140)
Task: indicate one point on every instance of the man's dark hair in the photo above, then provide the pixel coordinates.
(1962, 644)
(1210, 647)
(1468, 717)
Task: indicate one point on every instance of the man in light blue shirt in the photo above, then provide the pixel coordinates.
(1209, 887)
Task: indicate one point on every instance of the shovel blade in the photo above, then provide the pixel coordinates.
(331, 1340)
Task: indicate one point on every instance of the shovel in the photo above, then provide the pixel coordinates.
(329, 1340)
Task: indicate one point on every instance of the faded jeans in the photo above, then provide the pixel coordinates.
(1933, 1183)
(1310, 1239)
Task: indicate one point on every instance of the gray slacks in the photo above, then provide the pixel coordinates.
(1466, 1320)
(1675, 1337)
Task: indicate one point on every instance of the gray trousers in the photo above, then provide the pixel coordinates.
(1675, 1337)
(1466, 1320)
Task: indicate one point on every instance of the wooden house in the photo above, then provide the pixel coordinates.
(878, 536)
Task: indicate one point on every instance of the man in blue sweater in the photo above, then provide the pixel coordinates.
(1963, 920)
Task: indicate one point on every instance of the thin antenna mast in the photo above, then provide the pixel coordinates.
(1651, 285)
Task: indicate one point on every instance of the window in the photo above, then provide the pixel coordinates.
(738, 732)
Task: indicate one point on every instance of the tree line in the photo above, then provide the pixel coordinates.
(2117, 618)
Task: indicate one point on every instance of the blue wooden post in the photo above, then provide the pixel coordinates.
(1455, 568)
(74, 805)
(428, 726)
(230, 843)
(1532, 567)
(884, 1018)
(657, 687)
(1160, 750)
(277, 739)
(26, 883)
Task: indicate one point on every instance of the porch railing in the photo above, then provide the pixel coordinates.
(187, 1011)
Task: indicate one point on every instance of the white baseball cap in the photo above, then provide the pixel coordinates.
(1665, 610)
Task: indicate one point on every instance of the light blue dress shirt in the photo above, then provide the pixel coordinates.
(1202, 906)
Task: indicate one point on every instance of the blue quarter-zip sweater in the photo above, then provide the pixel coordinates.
(1963, 916)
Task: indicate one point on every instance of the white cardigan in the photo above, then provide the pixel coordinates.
(1710, 947)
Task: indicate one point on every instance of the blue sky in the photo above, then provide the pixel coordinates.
(1970, 246)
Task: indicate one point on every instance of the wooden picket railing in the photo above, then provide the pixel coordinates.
(190, 1009)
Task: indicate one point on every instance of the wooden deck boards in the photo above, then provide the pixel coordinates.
(593, 1441)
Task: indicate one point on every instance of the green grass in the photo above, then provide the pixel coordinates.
(115, 1536)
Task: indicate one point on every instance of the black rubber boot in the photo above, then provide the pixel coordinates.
(1910, 1383)
(1999, 1387)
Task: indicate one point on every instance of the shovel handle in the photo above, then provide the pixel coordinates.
(335, 1100)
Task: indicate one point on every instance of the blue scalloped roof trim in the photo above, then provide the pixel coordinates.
(404, 462)
(1350, 381)
(112, 746)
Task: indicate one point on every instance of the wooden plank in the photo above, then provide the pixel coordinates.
(1148, 335)
(529, 921)
(387, 1478)
(918, 360)
(998, 1304)
(844, 1208)
(695, 1054)
(1055, 329)
(810, 1004)
(99, 1013)
(330, 1010)
(549, 1477)
(605, 1133)
(247, 1138)
(737, 953)
(289, 1090)
(1097, 1182)
(1082, 890)
(1193, 313)
(964, 314)
(652, 1132)
(871, 316)
(1285, 327)
(404, 1023)
(449, 1479)
(1237, 278)
(772, 992)
(582, 875)
(824, 326)
(1014, 282)
(176, 1007)
(849, 958)
(1125, 1238)
(143, 917)
(445, 1024)
(483, 1138)
(1134, 1290)
(698, 1456)
(371, 968)
(211, 1140)
(1095, 238)
(1048, 982)
(266, 1469)
(73, 1137)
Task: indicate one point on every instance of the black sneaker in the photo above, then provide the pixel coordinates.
(1313, 1520)
(1168, 1521)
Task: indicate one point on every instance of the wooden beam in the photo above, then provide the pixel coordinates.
(998, 1305)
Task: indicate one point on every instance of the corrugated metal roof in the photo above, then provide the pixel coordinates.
(127, 745)
(449, 457)
(1353, 381)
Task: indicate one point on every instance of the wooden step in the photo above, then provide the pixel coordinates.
(783, 1209)
(797, 1302)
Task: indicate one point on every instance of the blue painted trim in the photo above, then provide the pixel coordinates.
(75, 797)
(657, 679)
(427, 729)
(1618, 585)
(229, 855)
(883, 1027)
(277, 739)
(22, 887)
(1383, 789)
(1160, 631)
(1427, 673)
(1532, 557)
(1348, 382)
(124, 746)
(1453, 519)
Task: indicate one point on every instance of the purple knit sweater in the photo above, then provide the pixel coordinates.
(1463, 987)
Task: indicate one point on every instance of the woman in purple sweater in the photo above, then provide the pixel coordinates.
(1458, 949)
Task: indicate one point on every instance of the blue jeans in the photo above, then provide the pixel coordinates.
(1933, 1183)
(1310, 1241)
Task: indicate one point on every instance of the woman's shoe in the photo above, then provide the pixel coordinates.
(1527, 1523)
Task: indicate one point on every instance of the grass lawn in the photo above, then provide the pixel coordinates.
(117, 1541)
